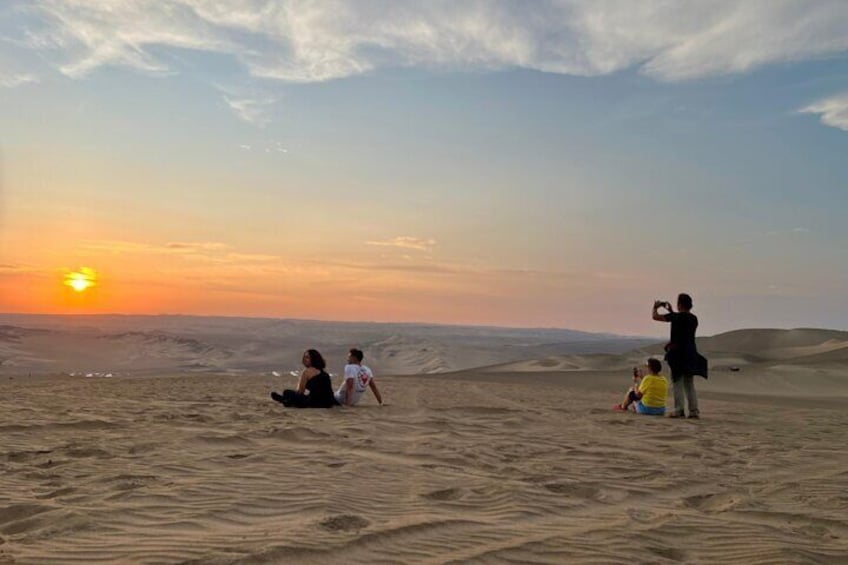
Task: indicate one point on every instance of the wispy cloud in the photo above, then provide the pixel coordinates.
(254, 111)
(775, 233)
(11, 81)
(276, 147)
(250, 103)
(197, 246)
(205, 251)
(406, 242)
(306, 41)
(833, 111)
(14, 269)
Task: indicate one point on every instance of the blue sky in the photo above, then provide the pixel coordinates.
(473, 162)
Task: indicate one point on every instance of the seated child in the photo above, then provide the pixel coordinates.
(649, 395)
(637, 379)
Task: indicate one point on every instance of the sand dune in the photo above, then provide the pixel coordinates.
(518, 462)
(149, 345)
(802, 352)
(204, 469)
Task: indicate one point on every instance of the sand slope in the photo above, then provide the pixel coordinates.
(151, 345)
(809, 362)
(516, 462)
(482, 467)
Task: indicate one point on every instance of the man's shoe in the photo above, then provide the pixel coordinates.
(693, 417)
(676, 415)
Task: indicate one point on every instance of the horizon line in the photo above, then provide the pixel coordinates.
(373, 322)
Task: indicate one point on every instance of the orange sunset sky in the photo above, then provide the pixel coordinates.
(460, 163)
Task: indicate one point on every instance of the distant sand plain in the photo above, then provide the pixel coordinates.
(510, 463)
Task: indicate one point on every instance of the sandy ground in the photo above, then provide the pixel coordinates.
(168, 345)
(484, 467)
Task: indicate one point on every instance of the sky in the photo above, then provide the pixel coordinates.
(545, 164)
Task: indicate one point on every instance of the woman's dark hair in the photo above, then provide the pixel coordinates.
(316, 360)
(684, 300)
(654, 365)
(358, 354)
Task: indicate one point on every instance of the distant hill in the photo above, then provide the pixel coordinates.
(116, 344)
(737, 349)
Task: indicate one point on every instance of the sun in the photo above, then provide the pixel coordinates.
(81, 280)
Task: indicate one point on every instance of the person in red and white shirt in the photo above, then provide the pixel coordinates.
(357, 379)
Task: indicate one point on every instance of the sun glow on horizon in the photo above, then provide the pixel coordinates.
(81, 280)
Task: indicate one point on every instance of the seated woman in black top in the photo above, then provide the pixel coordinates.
(314, 389)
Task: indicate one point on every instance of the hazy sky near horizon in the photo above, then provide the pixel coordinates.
(557, 163)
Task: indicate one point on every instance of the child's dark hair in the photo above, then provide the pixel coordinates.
(357, 353)
(654, 365)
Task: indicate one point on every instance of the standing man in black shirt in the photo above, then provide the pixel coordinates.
(681, 354)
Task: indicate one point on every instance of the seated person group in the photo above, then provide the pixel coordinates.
(648, 393)
(315, 389)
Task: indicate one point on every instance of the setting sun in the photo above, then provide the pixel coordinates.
(81, 280)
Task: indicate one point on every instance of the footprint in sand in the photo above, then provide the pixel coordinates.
(620, 422)
(443, 495)
(642, 515)
(580, 491)
(86, 452)
(56, 493)
(128, 482)
(814, 531)
(17, 518)
(24, 456)
(344, 523)
(669, 553)
(712, 502)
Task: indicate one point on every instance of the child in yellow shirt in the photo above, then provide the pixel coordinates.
(649, 396)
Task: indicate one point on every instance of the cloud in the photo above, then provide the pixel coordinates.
(833, 111)
(11, 81)
(775, 233)
(276, 147)
(205, 251)
(79, 36)
(309, 41)
(406, 242)
(234, 258)
(420, 268)
(112, 246)
(254, 111)
(15, 269)
(197, 246)
(251, 104)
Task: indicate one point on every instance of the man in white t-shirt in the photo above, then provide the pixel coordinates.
(357, 379)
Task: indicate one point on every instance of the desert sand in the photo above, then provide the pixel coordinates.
(157, 345)
(511, 463)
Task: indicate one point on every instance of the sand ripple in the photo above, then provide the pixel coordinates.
(205, 469)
